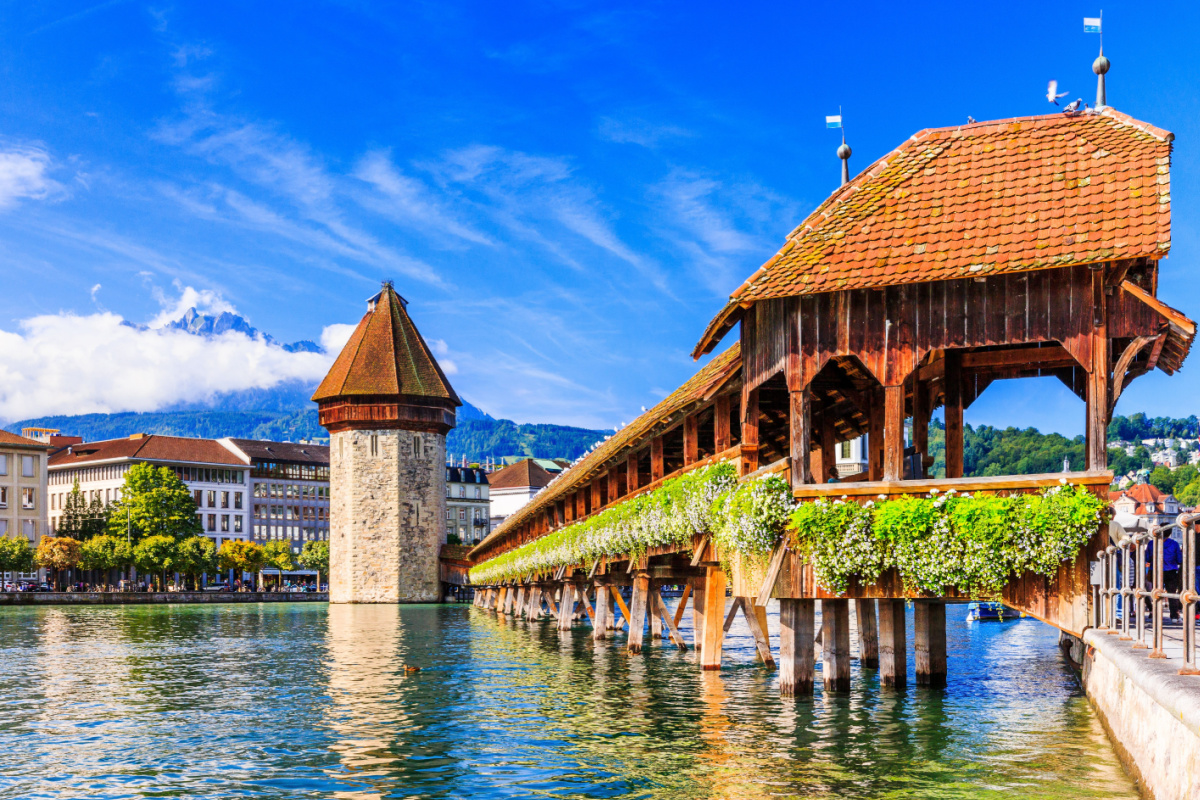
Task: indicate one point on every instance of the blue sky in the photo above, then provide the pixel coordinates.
(565, 193)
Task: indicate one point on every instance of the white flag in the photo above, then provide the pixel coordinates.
(834, 121)
(1091, 24)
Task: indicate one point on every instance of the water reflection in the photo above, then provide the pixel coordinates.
(303, 701)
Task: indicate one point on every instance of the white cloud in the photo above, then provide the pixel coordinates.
(334, 337)
(23, 174)
(638, 131)
(206, 301)
(71, 364)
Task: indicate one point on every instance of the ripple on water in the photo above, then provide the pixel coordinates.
(310, 701)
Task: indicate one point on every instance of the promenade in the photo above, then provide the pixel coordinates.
(154, 598)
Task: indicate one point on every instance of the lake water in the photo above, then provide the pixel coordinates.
(307, 700)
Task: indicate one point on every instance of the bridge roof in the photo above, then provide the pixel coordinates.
(699, 387)
(979, 199)
(386, 356)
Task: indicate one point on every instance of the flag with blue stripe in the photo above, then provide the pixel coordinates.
(1091, 24)
(834, 121)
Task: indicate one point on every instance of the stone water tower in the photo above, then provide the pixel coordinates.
(387, 406)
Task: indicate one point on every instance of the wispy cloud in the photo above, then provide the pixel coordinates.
(639, 131)
(24, 174)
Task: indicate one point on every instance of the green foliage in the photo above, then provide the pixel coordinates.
(749, 518)
(195, 555)
(481, 438)
(154, 502)
(1122, 464)
(155, 554)
(241, 555)
(1163, 479)
(81, 519)
(1138, 426)
(277, 554)
(670, 515)
(57, 552)
(15, 554)
(105, 552)
(1009, 451)
(315, 556)
(1189, 495)
(971, 543)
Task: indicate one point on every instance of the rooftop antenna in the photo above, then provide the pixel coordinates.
(1101, 65)
(843, 151)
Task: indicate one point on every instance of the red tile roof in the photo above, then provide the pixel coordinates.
(979, 199)
(148, 448)
(386, 356)
(13, 440)
(1141, 493)
(519, 475)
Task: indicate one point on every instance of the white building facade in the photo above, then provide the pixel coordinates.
(467, 503)
(289, 490)
(23, 489)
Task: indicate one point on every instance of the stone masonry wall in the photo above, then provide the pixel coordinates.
(387, 513)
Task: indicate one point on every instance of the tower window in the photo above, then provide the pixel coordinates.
(417, 446)
(374, 445)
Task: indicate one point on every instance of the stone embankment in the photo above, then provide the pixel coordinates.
(1151, 712)
(154, 598)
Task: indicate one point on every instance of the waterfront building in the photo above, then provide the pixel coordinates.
(515, 485)
(388, 407)
(217, 479)
(467, 503)
(851, 458)
(288, 489)
(1146, 503)
(23, 488)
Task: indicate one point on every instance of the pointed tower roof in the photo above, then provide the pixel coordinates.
(386, 357)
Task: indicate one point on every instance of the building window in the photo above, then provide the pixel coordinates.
(462, 513)
(462, 491)
(212, 522)
(225, 523)
(224, 499)
(212, 498)
(30, 526)
(29, 499)
(199, 497)
(374, 445)
(417, 446)
(27, 466)
(237, 500)
(449, 514)
(260, 490)
(845, 451)
(3, 463)
(3, 497)
(478, 493)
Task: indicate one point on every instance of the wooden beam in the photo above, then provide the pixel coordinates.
(1098, 401)
(1048, 357)
(929, 649)
(954, 414)
(614, 485)
(722, 431)
(868, 635)
(714, 611)
(921, 413)
(581, 593)
(620, 601)
(893, 433)
(637, 620)
(773, 567)
(876, 436)
(835, 645)
(672, 630)
(796, 649)
(691, 439)
(756, 619)
(549, 598)
(698, 628)
(893, 645)
(631, 473)
(656, 459)
(800, 439)
(683, 599)
(566, 608)
(602, 622)
(597, 501)
(750, 443)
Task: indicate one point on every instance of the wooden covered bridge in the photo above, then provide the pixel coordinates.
(1008, 249)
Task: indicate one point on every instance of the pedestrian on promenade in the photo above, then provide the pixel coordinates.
(1172, 556)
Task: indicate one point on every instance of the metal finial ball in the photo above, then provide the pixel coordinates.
(1100, 65)
(844, 151)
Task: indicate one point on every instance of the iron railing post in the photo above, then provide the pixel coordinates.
(1187, 523)
(1138, 570)
(1157, 592)
(1104, 610)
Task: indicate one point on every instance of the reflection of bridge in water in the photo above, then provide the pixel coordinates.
(999, 250)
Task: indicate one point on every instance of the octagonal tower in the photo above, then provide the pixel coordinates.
(387, 406)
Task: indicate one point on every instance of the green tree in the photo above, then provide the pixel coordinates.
(156, 555)
(103, 553)
(74, 514)
(194, 555)
(278, 555)
(57, 553)
(241, 555)
(15, 555)
(315, 556)
(1162, 479)
(154, 502)
(1189, 495)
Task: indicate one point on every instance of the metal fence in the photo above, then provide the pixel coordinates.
(1127, 589)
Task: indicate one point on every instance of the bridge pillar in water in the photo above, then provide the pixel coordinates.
(639, 602)
(698, 613)
(868, 636)
(893, 645)
(566, 607)
(603, 612)
(930, 647)
(835, 644)
(796, 667)
(714, 618)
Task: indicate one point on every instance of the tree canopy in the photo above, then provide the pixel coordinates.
(154, 502)
(315, 556)
(106, 552)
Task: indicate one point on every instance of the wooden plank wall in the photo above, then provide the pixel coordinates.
(891, 329)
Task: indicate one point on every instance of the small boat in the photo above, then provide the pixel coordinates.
(983, 612)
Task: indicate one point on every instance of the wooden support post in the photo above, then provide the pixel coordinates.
(713, 618)
(566, 607)
(603, 623)
(1098, 380)
(614, 486)
(893, 645)
(697, 613)
(750, 432)
(683, 599)
(920, 425)
(656, 622)
(893, 433)
(828, 453)
(533, 603)
(596, 498)
(929, 648)
(620, 602)
(661, 609)
(637, 619)
(835, 655)
(796, 647)
(876, 431)
(756, 620)
(581, 591)
(519, 608)
(691, 439)
(722, 432)
(800, 429)
(657, 466)
(868, 636)
(954, 414)
(631, 473)
(549, 598)
(502, 605)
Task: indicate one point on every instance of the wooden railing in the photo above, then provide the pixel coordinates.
(1096, 481)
